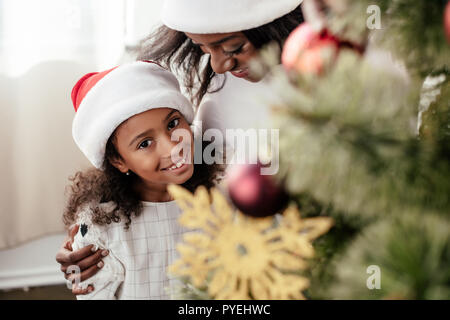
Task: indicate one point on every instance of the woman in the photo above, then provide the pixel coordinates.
(202, 39)
(226, 36)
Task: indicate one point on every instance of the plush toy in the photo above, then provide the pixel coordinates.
(112, 273)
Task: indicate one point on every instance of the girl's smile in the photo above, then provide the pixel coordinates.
(176, 168)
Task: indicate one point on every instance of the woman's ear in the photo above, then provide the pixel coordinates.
(119, 164)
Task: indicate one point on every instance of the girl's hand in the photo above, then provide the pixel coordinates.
(88, 261)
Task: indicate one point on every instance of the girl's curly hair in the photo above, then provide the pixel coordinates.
(109, 184)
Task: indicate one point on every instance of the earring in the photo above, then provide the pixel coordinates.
(128, 173)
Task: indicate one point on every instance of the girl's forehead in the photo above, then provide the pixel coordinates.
(150, 118)
(153, 114)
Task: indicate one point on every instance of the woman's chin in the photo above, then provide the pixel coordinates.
(254, 77)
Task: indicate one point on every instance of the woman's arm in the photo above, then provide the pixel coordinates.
(88, 261)
(112, 274)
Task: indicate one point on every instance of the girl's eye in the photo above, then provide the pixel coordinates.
(145, 144)
(172, 124)
(235, 52)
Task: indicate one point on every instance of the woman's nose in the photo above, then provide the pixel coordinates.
(221, 63)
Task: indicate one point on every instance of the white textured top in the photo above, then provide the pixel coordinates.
(136, 267)
(237, 109)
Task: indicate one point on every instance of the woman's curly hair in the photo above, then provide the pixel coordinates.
(101, 186)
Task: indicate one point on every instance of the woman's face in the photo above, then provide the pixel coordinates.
(230, 52)
(145, 144)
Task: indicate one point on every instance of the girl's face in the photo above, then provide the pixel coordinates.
(230, 52)
(145, 145)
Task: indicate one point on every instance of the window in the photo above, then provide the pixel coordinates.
(82, 30)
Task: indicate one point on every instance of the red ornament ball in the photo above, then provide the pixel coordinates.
(447, 21)
(308, 51)
(254, 194)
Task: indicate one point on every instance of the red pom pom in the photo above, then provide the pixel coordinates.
(308, 51)
(254, 194)
(447, 21)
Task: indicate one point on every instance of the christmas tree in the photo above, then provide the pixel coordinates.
(364, 112)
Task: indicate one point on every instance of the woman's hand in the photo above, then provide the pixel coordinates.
(88, 261)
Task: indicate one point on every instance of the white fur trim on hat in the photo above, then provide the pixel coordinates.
(124, 92)
(222, 16)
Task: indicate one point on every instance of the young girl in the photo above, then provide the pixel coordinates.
(202, 39)
(133, 124)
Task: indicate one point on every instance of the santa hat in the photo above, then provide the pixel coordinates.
(104, 100)
(222, 16)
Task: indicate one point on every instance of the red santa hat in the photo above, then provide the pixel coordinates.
(104, 100)
(222, 16)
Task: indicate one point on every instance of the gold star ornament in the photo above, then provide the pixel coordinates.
(239, 257)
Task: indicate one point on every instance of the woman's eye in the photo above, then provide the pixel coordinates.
(172, 124)
(235, 52)
(145, 144)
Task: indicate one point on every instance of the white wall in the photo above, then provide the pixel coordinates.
(142, 18)
(31, 264)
